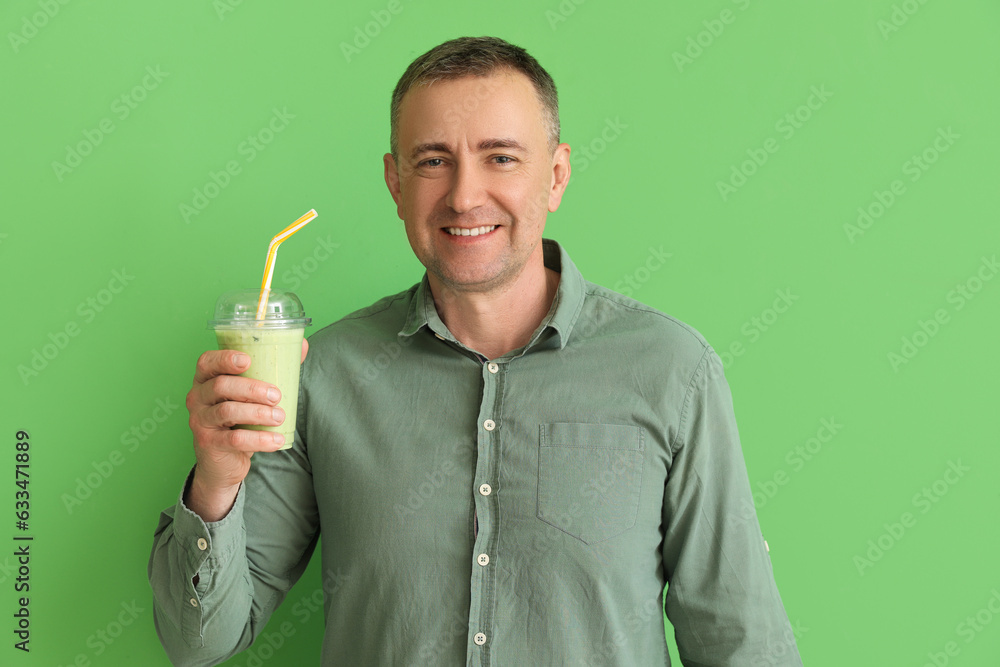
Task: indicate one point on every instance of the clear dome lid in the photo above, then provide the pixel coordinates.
(239, 309)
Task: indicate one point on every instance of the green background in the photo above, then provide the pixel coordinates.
(672, 131)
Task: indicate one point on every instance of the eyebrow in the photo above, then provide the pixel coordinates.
(484, 145)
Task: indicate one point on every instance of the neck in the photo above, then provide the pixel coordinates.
(496, 322)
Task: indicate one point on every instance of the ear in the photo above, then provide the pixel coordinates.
(560, 176)
(392, 182)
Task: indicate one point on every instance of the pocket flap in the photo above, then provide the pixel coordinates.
(602, 436)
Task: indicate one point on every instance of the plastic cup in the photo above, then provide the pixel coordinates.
(274, 344)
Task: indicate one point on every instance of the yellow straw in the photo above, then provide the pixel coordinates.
(272, 252)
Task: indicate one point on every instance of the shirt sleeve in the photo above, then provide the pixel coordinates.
(721, 598)
(246, 563)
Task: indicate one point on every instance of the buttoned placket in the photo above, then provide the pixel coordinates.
(489, 430)
(483, 583)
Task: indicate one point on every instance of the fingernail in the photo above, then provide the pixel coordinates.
(273, 395)
(241, 359)
(278, 415)
(278, 438)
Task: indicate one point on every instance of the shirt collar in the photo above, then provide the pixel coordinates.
(562, 315)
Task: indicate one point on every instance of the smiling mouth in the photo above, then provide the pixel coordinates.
(475, 231)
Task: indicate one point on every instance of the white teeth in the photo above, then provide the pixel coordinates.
(458, 231)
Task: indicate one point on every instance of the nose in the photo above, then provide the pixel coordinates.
(468, 187)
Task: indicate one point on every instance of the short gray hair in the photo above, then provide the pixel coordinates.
(475, 56)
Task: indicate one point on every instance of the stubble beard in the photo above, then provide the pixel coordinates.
(491, 280)
(506, 268)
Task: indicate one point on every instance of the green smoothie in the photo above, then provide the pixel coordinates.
(275, 357)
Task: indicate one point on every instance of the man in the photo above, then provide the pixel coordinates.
(507, 464)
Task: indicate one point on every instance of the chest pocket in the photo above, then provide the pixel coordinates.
(589, 478)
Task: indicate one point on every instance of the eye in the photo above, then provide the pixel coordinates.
(504, 159)
(437, 162)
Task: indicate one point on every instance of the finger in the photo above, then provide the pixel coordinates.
(217, 443)
(234, 388)
(247, 440)
(220, 362)
(233, 413)
(305, 349)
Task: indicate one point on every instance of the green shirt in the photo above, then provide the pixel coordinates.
(526, 511)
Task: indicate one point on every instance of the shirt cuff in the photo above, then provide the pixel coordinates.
(214, 542)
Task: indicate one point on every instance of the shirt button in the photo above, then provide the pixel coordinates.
(480, 638)
(202, 543)
(493, 368)
(485, 489)
(489, 424)
(483, 560)
(439, 336)
(194, 603)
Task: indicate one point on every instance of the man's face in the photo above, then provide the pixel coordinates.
(476, 178)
